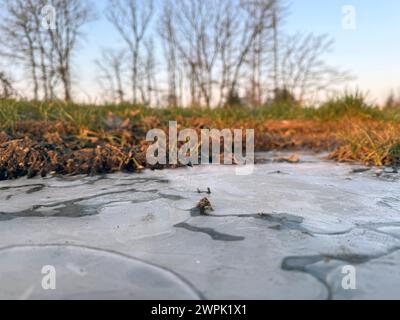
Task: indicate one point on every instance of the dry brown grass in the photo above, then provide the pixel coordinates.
(369, 141)
(71, 139)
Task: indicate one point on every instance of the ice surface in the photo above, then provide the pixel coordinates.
(284, 231)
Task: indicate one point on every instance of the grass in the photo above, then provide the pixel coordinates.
(347, 125)
(372, 142)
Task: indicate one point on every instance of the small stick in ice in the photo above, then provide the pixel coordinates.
(208, 191)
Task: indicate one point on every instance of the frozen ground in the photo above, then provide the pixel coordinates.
(284, 232)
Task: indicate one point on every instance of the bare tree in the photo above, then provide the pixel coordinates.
(6, 88)
(258, 17)
(132, 20)
(34, 6)
(303, 70)
(168, 37)
(112, 70)
(18, 37)
(149, 87)
(71, 16)
(275, 46)
(214, 39)
(191, 30)
(45, 50)
(216, 52)
(264, 52)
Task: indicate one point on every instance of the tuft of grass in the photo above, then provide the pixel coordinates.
(8, 114)
(372, 142)
(349, 104)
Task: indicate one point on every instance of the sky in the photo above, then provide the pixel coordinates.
(370, 51)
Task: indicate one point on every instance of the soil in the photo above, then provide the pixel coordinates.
(35, 148)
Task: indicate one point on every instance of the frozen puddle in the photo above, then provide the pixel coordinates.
(85, 273)
(284, 232)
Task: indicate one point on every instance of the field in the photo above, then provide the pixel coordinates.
(38, 138)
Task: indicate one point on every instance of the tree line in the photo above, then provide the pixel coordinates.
(175, 52)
